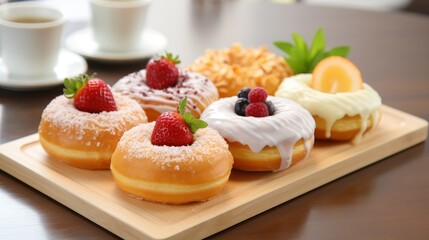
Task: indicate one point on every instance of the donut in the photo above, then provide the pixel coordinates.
(199, 90)
(171, 174)
(235, 68)
(82, 139)
(271, 143)
(343, 116)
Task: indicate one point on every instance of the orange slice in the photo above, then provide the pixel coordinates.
(336, 74)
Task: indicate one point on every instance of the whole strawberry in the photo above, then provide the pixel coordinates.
(162, 73)
(89, 94)
(176, 128)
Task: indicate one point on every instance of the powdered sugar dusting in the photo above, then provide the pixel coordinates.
(74, 124)
(198, 89)
(136, 144)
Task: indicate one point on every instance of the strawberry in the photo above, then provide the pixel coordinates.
(162, 73)
(89, 94)
(176, 128)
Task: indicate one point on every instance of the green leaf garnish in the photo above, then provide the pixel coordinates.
(171, 57)
(303, 58)
(74, 84)
(193, 123)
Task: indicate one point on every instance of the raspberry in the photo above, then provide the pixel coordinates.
(258, 109)
(257, 94)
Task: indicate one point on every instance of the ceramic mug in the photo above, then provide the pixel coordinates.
(118, 24)
(30, 37)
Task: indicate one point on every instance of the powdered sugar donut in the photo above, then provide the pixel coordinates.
(199, 90)
(171, 174)
(86, 140)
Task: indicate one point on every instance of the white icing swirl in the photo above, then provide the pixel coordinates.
(332, 107)
(289, 124)
(198, 89)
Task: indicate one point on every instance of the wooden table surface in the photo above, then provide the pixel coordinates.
(387, 200)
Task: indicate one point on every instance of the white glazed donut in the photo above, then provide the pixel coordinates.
(269, 143)
(340, 116)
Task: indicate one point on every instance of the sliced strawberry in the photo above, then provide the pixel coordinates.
(162, 73)
(176, 129)
(89, 94)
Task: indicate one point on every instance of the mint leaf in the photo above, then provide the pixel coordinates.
(284, 46)
(319, 56)
(302, 59)
(318, 44)
(193, 123)
(197, 124)
(182, 106)
(341, 51)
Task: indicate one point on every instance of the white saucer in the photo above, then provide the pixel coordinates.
(83, 43)
(69, 65)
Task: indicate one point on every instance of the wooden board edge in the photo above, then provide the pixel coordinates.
(67, 198)
(418, 134)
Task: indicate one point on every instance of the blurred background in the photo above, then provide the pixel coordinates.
(79, 8)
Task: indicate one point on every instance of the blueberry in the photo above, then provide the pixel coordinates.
(271, 108)
(244, 92)
(240, 106)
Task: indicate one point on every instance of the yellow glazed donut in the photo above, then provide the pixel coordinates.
(199, 90)
(339, 116)
(171, 174)
(86, 140)
(271, 143)
(235, 68)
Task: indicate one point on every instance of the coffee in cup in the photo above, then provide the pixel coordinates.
(30, 37)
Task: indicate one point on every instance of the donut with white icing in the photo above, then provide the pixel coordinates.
(86, 140)
(171, 174)
(271, 143)
(199, 90)
(339, 116)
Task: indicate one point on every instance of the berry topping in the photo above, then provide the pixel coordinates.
(89, 94)
(240, 106)
(271, 108)
(258, 109)
(176, 128)
(244, 93)
(257, 94)
(162, 72)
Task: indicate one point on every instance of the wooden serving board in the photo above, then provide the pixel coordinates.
(94, 194)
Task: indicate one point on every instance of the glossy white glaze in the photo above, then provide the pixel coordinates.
(289, 124)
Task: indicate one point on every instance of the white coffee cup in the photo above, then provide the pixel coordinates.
(30, 37)
(118, 24)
